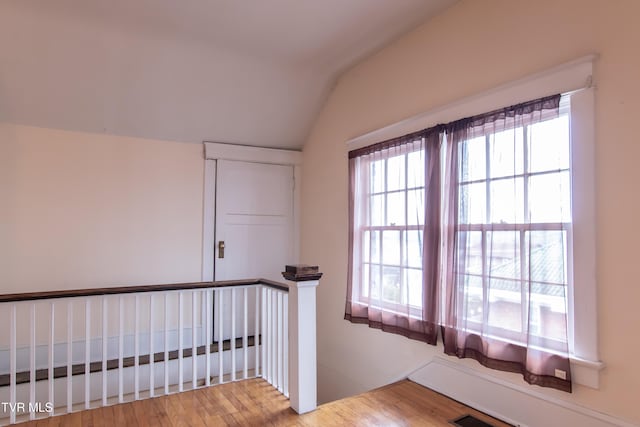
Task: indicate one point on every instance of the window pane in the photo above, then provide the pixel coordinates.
(505, 304)
(395, 173)
(414, 284)
(471, 243)
(377, 176)
(375, 282)
(391, 247)
(414, 248)
(550, 197)
(547, 256)
(473, 203)
(472, 301)
(391, 284)
(506, 151)
(503, 254)
(507, 201)
(415, 172)
(548, 311)
(415, 207)
(375, 246)
(472, 159)
(366, 238)
(549, 145)
(377, 210)
(365, 280)
(395, 208)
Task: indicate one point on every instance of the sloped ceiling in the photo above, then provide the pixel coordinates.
(239, 71)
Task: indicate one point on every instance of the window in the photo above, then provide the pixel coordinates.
(513, 241)
(392, 185)
(515, 233)
(392, 237)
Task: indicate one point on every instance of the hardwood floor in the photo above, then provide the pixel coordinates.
(255, 403)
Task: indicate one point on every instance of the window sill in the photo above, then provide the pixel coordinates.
(586, 372)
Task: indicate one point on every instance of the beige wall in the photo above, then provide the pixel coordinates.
(472, 47)
(81, 210)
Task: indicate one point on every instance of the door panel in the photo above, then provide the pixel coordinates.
(254, 219)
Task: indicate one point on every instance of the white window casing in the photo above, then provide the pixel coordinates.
(575, 79)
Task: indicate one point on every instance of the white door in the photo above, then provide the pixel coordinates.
(253, 233)
(254, 220)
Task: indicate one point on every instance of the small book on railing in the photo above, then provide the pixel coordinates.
(301, 272)
(302, 269)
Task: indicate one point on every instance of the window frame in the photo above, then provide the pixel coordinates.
(575, 78)
(366, 262)
(526, 225)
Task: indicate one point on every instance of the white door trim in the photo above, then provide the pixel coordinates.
(219, 151)
(214, 151)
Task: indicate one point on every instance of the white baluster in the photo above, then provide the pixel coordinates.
(285, 345)
(232, 338)
(265, 336)
(166, 343)
(87, 353)
(32, 362)
(180, 342)
(245, 344)
(194, 341)
(269, 335)
(12, 363)
(207, 341)
(120, 350)
(280, 343)
(136, 348)
(256, 333)
(220, 294)
(152, 353)
(105, 356)
(263, 333)
(274, 338)
(203, 317)
(70, 356)
(52, 344)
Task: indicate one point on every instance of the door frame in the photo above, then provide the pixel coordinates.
(214, 151)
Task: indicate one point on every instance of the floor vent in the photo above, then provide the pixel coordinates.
(470, 421)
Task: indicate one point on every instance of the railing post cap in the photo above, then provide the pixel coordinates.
(301, 273)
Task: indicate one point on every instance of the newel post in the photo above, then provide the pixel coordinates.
(303, 280)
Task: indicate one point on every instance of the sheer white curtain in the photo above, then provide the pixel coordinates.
(507, 227)
(473, 219)
(394, 236)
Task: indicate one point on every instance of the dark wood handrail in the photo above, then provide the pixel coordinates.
(31, 296)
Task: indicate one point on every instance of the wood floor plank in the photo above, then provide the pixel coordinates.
(254, 402)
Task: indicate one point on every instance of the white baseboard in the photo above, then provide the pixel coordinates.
(504, 400)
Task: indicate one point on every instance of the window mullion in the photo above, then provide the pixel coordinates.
(382, 231)
(487, 163)
(401, 267)
(525, 169)
(525, 283)
(524, 286)
(365, 288)
(486, 256)
(385, 192)
(404, 291)
(485, 280)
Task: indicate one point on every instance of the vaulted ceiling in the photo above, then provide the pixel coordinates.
(239, 71)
